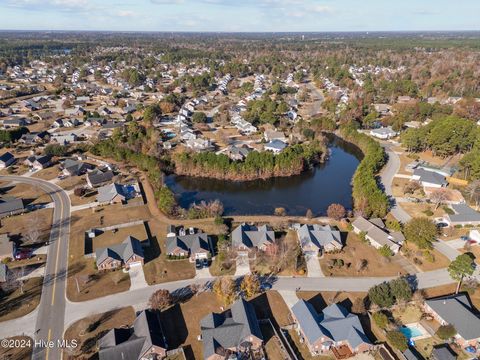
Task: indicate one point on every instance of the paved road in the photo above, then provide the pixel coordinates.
(51, 311)
(388, 173)
(317, 97)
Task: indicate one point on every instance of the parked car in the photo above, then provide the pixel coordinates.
(442, 225)
(23, 254)
(464, 238)
(205, 262)
(198, 264)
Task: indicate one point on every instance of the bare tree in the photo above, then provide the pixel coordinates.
(160, 299)
(473, 191)
(439, 197)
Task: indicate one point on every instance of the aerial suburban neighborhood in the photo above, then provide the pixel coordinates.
(237, 195)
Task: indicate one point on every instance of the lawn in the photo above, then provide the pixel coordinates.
(19, 303)
(88, 330)
(49, 173)
(71, 182)
(409, 314)
(421, 260)
(302, 350)
(273, 348)
(398, 185)
(30, 194)
(18, 353)
(111, 237)
(352, 254)
(181, 323)
(419, 209)
(22, 226)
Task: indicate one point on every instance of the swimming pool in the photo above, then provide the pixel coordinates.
(413, 331)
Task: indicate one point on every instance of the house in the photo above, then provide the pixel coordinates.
(404, 99)
(63, 139)
(318, 239)
(234, 331)
(199, 144)
(270, 135)
(237, 153)
(429, 178)
(276, 146)
(58, 123)
(376, 233)
(6, 159)
(246, 237)
(14, 123)
(382, 109)
(111, 194)
(75, 168)
(128, 253)
(11, 206)
(144, 340)
(458, 311)
(6, 247)
(335, 329)
(38, 162)
(383, 133)
(464, 215)
(443, 352)
(34, 138)
(195, 246)
(97, 178)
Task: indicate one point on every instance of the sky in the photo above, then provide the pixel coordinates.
(240, 15)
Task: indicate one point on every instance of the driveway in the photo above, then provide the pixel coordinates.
(203, 273)
(243, 265)
(313, 265)
(137, 277)
(290, 297)
(446, 249)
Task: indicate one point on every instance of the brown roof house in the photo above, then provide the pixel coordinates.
(144, 340)
(234, 332)
(128, 253)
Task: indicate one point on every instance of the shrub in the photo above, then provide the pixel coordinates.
(385, 251)
(397, 340)
(428, 212)
(446, 332)
(381, 320)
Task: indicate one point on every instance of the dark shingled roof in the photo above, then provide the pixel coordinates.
(191, 242)
(124, 251)
(229, 329)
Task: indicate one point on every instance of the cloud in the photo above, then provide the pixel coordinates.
(62, 5)
(126, 13)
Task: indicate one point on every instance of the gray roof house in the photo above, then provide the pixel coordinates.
(383, 133)
(232, 331)
(334, 329)
(98, 178)
(316, 238)
(75, 168)
(247, 237)
(464, 215)
(128, 253)
(6, 159)
(276, 146)
(443, 352)
(456, 310)
(11, 206)
(144, 340)
(111, 193)
(197, 246)
(38, 161)
(378, 235)
(429, 178)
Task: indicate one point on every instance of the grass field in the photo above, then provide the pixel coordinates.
(22, 300)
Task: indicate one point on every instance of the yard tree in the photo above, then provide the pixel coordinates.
(250, 285)
(166, 200)
(225, 289)
(463, 265)
(336, 211)
(381, 320)
(397, 340)
(160, 300)
(199, 117)
(381, 295)
(421, 232)
(385, 251)
(400, 289)
(151, 113)
(439, 196)
(446, 332)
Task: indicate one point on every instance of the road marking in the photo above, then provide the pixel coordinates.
(58, 252)
(48, 347)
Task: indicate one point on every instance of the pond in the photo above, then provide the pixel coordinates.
(327, 183)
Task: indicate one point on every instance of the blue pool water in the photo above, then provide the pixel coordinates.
(410, 332)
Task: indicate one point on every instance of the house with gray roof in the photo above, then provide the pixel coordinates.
(126, 254)
(317, 238)
(443, 352)
(464, 215)
(97, 178)
(38, 162)
(195, 246)
(276, 146)
(111, 194)
(456, 310)
(11, 206)
(75, 168)
(246, 237)
(335, 329)
(144, 340)
(234, 331)
(429, 178)
(383, 133)
(377, 234)
(6, 159)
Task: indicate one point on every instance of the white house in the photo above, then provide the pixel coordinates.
(383, 133)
